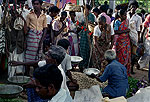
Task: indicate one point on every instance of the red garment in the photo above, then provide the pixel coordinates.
(123, 48)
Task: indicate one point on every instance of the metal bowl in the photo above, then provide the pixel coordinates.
(76, 59)
(19, 79)
(89, 71)
(10, 91)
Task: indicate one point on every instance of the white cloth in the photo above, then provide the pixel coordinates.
(144, 60)
(49, 19)
(1, 12)
(66, 63)
(112, 28)
(30, 3)
(89, 95)
(80, 16)
(25, 12)
(134, 25)
(61, 96)
(141, 96)
(64, 84)
(15, 57)
(97, 31)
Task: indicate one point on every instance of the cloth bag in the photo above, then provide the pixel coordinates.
(133, 33)
(89, 95)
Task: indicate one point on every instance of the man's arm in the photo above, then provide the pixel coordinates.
(16, 63)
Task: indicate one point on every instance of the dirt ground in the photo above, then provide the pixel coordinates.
(139, 74)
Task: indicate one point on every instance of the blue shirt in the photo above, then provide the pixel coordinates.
(116, 74)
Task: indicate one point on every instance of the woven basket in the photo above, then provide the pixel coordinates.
(71, 7)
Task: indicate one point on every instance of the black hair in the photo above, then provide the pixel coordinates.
(49, 74)
(109, 11)
(40, 1)
(121, 12)
(96, 10)
(103, 9)
(102, 19)
(135, 3)
(64, 13)
(69, 3)
(143, 11)
(88, 6)
(63, 43)
(118, 7)
(105, 2)
(72, 12)
(54, 9)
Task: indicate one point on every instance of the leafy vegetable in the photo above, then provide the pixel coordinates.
(135, 85)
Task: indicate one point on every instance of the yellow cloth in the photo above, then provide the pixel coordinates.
(37, 23)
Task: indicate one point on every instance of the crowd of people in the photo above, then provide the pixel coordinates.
(45, 39)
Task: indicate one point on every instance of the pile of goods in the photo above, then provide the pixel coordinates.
(86, 82)
(135, 85)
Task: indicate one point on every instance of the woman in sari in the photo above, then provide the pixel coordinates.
(102, 39)
(72, 37)
(123, 48)
(84, 37)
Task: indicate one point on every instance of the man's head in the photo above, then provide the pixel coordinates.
(37, 4)
(110, 55)
(96, 11)
(133, 6)
(64, 43)
(56, 53)
(87, 9)
(63, 16)
(54, 10)
(122, 14)
(72, 14)
(110, 12)
(48, 80)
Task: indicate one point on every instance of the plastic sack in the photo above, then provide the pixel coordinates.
(89, 95)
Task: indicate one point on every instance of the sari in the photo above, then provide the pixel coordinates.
(123, 48)
(84, 43)
(72, 37)
(104, 44)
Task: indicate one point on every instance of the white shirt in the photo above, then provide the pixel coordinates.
(1, 12)
(66, 63)
(49, 19)
(137, 19)
(97, 31)
(64, 84)
(25, 12)
(112, 28)
(134, 25)
(61, 96)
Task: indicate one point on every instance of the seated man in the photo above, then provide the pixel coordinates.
(48, 80)
(116, 74)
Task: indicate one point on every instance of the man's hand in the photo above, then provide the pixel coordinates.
(92, 75)
(74, 81)
(14, 63)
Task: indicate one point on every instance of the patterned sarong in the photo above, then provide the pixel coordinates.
(32, 50)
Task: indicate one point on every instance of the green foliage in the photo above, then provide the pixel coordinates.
(132, 85)
(144, 4)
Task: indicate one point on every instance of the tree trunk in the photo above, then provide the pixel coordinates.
(112, 4)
